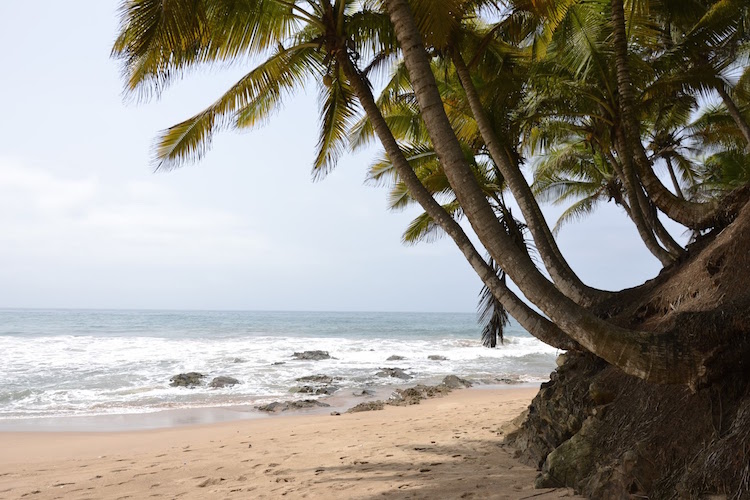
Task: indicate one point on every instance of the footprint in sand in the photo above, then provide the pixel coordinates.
(211, 481)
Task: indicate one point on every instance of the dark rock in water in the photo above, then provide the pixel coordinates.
(395, 357)
(223, 381)
(316, 379)
(367, 406)
(276, 363)
(363, 393)
(277, 406)
(436, 357)
(454, 382)
(393, 372)
(312, 355)
(190, 379)
(309, 389)
(238, 360)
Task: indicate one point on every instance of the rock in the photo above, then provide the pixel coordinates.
(570, 462)
(454, 382)
(316, 379)
(367, 406)
(190, 379)
(435, 357)
(312, 355)
(310, 389)
(413, 395)
(561, 359)
(223, 381)
(277, 406)
(393, 372)
(363, 393)
(395, 358)
(276, 363)
(335, 413)
(238, 360)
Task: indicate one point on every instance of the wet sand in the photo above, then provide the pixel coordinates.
(443, 448)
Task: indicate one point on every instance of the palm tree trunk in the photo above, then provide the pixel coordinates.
(533, 322)
(653, 357)
(673, 176)
(658, 229)
(562, 275)
(637, 204)
(734, 112)
(690, 214)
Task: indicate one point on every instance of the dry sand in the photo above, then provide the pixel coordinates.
(441, 449)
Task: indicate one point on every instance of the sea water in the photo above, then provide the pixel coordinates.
(65, 363)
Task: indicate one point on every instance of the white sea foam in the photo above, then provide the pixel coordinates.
(89, 363)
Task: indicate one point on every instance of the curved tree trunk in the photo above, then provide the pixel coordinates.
(639, 206)
(690, 214)
(563, 276)
(533, 322)
(654, 357)
(673, 176)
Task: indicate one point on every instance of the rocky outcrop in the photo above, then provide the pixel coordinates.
(613, 436)
(393, 372)
(436, 357)
(278, 406)
(312, 355)
(316, 384)
(367, 406)
(326, 390)
(455, 382)
(190, 379)
(414, 395)
(223, 381)
(395, 357)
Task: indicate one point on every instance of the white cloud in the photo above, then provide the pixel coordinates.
(46, 216)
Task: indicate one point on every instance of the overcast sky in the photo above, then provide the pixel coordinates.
(85, 223)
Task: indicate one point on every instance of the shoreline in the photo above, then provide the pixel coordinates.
(191, 416)
(445, 447)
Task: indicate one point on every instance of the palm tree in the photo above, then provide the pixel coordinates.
(159, 40)
(340, 42)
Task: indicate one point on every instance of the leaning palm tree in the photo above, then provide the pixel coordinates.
(340, 42)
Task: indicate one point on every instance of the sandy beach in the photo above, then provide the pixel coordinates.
(448, 447)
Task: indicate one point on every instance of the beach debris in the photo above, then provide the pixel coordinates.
(190, 379)
(394, 372)
(335, 413)
(312, 355)
(436, 357)
(395, 357)
(367, 406)
(278, 406)
(223, 381)
(455, 382)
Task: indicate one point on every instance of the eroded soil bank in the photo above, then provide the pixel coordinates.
(612, 436)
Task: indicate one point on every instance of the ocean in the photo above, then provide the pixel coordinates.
(85, 363)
